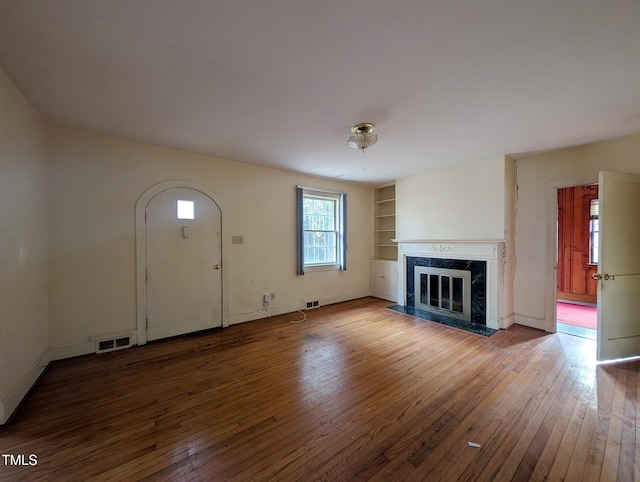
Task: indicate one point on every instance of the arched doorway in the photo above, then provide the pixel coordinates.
(179, 261)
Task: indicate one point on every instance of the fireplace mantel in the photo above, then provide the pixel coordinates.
(437, 248)
(491, 251)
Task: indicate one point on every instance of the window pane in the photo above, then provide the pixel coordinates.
(594, 231)
(185, 209)
(320, 247)
(319, 222)
(319, 214)
(594, 237)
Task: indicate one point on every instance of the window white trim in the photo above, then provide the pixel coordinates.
(339, 228)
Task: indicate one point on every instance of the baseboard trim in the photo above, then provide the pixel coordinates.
(530, 321)
(86, 348)
(291, 307)
(18, 393)
(507, 321)
(341, 298)
(384, 296)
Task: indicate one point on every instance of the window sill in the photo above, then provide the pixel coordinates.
(309, 268)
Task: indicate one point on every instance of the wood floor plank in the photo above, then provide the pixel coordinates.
(612, 452)
(553, 447)
(355, 392)
(567, 461)
(488, 429)
(526, 449)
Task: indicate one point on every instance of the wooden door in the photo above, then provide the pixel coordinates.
(575, 263)
(619, 284)
(184, 280)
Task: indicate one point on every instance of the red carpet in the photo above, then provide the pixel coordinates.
(577, 315)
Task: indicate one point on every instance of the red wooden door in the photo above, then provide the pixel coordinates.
(575, 265)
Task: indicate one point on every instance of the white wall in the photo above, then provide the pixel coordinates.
(472, 202)
(23, 247)
(94, 182)
(462, 203)
(537, 179)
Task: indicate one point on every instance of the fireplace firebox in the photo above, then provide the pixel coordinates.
(450, 287)
(444, 291)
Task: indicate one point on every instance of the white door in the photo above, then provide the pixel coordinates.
(183, 265)
(619, 267)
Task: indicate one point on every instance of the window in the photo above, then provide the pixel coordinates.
(185, 209)
(321, 229)
(594, 231)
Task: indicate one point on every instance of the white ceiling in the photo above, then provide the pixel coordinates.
(280, 82)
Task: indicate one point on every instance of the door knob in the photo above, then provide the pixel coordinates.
(596, 276)
(216, 266)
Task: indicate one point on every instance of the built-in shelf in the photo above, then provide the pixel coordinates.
(384, 221)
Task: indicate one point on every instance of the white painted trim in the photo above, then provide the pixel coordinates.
(383, 296)
(481, 251)
(71, 351)
(344, 297)
(532, 321)
(551, 249)
(450, 241)
(551, 261)
(141, 248)
(16, 395)
(320, 190)
(507, 321)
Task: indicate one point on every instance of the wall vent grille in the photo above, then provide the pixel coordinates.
(111, 344)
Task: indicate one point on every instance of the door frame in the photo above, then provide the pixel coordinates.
(141, 252)
(551, 241)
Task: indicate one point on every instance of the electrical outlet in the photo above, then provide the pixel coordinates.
(267, 299)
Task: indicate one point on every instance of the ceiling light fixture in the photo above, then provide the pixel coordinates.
(363, 136)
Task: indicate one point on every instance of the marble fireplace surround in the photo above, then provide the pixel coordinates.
(491, 252)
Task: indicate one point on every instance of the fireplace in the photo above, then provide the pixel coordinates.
(444, 291)
(466, 276)
(455, 280)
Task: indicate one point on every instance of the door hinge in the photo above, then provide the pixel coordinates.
(146, 322)
(146, 275)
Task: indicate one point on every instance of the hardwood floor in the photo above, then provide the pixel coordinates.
(355, 392)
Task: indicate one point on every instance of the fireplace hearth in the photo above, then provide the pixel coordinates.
(471, 327)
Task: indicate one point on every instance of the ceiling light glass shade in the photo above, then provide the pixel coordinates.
(363, 136)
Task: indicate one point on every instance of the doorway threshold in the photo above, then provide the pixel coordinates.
(576, 331)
